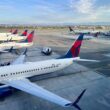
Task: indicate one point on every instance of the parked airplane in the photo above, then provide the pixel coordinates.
(87, 35)
(82, 31)
(6, 46)
(14, 37)
(107, 34)
(17, 73)
(18, 37)
(9, 33)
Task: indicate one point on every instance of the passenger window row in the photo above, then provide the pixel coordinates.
(28, 71)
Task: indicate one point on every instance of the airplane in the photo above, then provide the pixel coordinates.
(17, 73)
(6, 46)
(87, 35)
(9, 33)
(14, 37)
(18, 37)
(107, 34)
(82, 31)
(77, 31)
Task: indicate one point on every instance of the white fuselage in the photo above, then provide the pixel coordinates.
(14, 37)
(15, 45)
(85, 36)
(34, 68)
(5, 34)
(75, 36)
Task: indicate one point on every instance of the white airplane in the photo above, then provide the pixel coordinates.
(17, 73)
(87, 35)
(13, 37)
(6, 46)
(8, 33)
(16, 37)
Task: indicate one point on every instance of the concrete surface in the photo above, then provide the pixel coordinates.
(68, 82)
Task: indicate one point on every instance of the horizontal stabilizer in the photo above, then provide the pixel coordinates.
(78, 59)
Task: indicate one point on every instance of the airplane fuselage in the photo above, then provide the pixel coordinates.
(15, 45)
(26, 70)
(5, 34)
(12, 37)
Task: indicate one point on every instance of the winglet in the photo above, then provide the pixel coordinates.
(25, 52)
(75, 103)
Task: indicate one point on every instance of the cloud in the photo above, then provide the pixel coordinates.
(83, 6)
(6, 7)
(89, 11)
(52, 11)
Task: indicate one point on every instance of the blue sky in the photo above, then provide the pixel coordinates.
(54, 11)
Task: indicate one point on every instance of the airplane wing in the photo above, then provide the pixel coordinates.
(6, 51)
(31, 88)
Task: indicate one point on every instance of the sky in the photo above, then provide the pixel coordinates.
(54, 11)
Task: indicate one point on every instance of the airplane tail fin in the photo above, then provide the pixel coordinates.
(15, 32)
(29, 38)
(24, 33)
(10, 50)
(10, 30)
(96, 34)
(75, 103)
(75, 49)
(71, 30)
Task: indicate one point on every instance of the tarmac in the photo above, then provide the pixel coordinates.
(69, 82)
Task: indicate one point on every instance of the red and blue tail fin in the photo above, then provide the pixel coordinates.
(24, 33)
(29, 38)
(75, 49)
(10, 30)
(15, 32)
